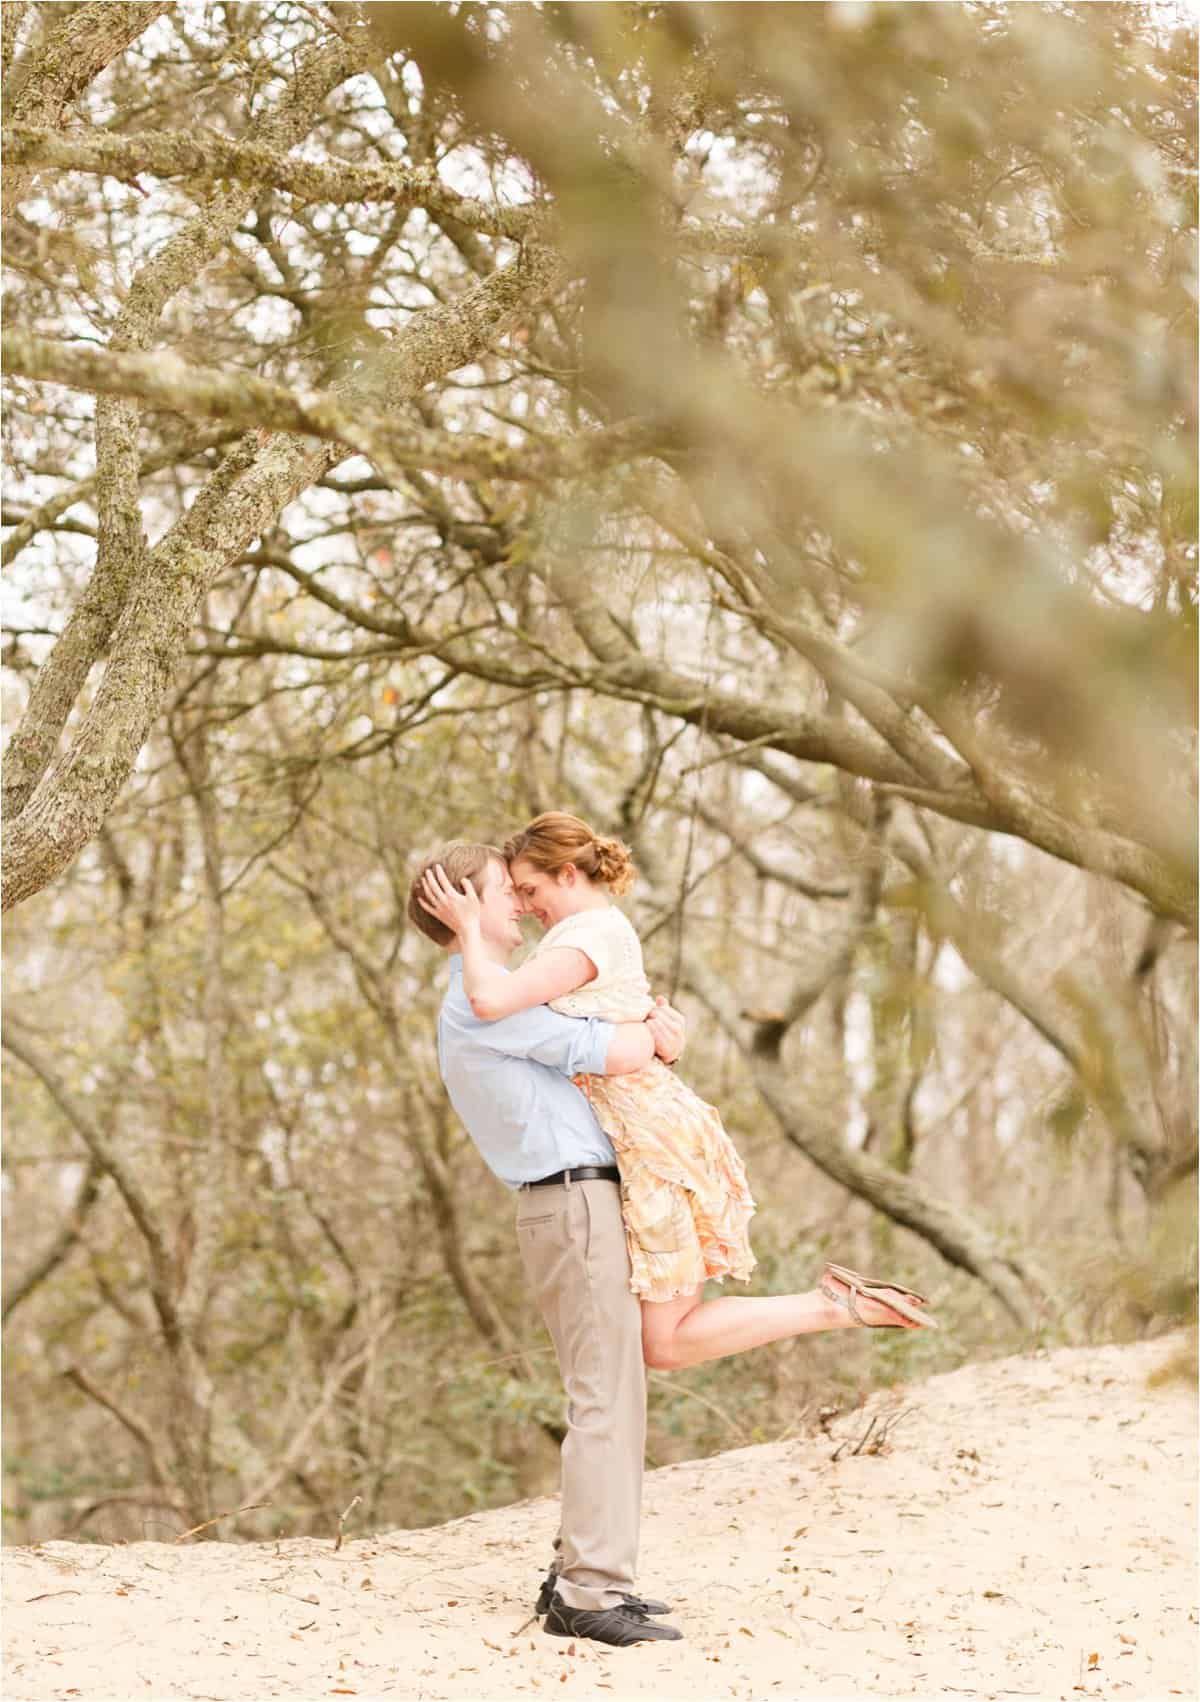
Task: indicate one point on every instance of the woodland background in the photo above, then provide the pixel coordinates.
(767, 431)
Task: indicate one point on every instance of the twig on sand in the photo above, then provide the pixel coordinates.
(532, 1620)
(251, 1507)
(872, 1440)
(342, 1517)
(958, 1689)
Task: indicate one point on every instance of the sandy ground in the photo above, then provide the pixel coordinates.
(1028, 1529)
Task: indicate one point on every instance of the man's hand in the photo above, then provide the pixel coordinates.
(459, 911)
(669, 1029)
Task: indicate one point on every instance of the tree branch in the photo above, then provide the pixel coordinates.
(209, 156)
(1077, 1026)
(164, 381)
(241, 501)
(954, 1233)
(58, 70)
(104, 1154)
(137, 1428)
(85, 1198)
(43, 517)
(121, 558)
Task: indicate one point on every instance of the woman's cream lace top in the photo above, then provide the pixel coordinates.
(620, 992)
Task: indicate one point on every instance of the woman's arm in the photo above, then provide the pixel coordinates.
(494, 993)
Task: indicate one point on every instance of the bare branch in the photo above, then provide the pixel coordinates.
(207, 156)
(241, 501)
(141, 1432)
(164, 381)
(107, 1158)
(121, 559)
(961, 1239)
(67, 1238)
(763, 865)
(65, 62)
(335, 1381)
(43, 517)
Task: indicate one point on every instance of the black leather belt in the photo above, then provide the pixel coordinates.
(580, 1173)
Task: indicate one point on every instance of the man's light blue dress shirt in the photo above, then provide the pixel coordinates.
(510, 1083)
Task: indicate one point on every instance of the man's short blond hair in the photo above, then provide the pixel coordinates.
(462, 862)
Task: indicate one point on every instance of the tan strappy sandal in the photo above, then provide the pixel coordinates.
(893, 1295)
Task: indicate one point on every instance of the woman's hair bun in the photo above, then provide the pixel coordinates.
(614, 864)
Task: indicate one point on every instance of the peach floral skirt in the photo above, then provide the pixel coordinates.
(684, 1193)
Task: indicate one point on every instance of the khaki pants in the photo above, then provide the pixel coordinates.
(572, 1242)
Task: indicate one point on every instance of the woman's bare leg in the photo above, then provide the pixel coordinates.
(687, 1331)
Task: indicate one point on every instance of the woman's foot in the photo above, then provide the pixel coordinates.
(871, 1304)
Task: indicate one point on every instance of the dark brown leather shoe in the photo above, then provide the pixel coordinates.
(617, 1626)
(639, 1604)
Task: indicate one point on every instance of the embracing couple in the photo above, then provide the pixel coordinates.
(630, 1194)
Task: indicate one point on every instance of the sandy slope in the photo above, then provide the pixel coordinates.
(1029, 1531)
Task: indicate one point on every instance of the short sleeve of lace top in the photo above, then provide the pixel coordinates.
(620, 992)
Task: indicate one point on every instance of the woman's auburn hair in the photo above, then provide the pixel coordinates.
(554, 839)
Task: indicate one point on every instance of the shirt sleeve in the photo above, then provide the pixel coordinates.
(570, 1044)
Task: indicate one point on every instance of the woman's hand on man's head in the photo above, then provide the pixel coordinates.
(457, 910)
